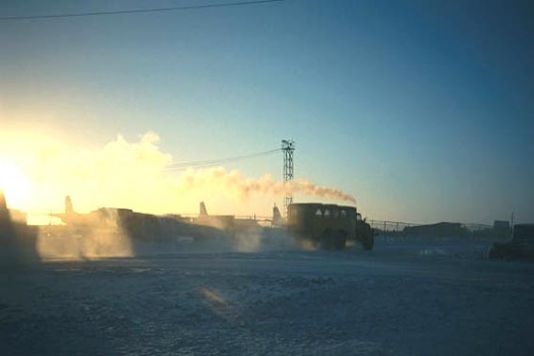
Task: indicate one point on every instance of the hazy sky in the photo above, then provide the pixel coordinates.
(423, 110)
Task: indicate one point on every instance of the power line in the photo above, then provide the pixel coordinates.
(210, 163)
(220, 160)
(214, 162)
(137, 11)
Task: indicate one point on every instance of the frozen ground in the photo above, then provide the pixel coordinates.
(407, 297)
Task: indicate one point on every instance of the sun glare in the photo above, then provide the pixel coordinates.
(14, 184)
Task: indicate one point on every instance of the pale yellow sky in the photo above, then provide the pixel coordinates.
(39, 170)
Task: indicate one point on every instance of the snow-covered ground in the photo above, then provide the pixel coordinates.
(407, 297)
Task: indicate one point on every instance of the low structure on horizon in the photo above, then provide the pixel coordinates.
(441, 229)
(17, 239)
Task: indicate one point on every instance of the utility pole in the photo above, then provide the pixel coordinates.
(512, 224)
(288, 147)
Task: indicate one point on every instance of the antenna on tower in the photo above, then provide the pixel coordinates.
(288, 147)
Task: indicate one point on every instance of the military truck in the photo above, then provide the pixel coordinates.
(521, 246)
(328, 226)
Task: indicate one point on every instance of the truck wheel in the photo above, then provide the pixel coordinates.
(494, 253)
(340, 240)
(368, 242)
(325, 242)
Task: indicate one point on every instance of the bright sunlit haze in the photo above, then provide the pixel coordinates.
(420, 110)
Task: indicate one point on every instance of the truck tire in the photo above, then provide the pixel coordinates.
(325, 242)
(333, 240)
(494, 253)
(368, 242)
(340, 240)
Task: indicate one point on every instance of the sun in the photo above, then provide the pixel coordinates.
(14, 184)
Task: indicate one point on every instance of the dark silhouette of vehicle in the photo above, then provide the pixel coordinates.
(521, 246)
(18, 241)
(328, 226)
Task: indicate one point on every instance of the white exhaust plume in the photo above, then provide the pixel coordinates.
(134, 175)
(245, 187)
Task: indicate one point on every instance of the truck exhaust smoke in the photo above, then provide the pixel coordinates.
(135, 175)
(245, 187)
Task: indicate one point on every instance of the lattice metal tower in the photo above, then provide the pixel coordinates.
(288, 147)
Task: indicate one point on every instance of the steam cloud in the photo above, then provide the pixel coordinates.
(233, 180)
(135, 175)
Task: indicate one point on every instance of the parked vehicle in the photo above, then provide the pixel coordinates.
(329, 226)
(521, 246)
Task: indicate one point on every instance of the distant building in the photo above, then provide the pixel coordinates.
(442, 229)
(10, 215)
(17, 239)
(4, 212)
(501, 225)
